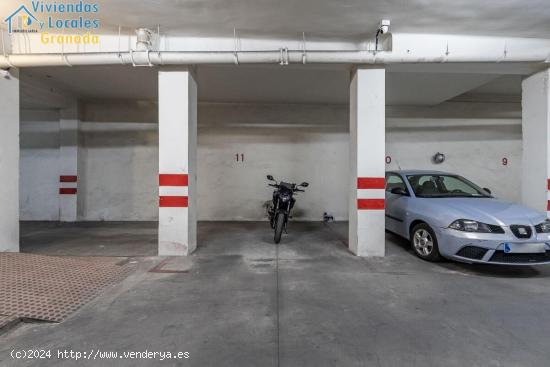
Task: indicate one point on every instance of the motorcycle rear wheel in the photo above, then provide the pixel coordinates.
(279, 224)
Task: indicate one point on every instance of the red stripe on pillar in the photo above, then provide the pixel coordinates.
(67, 190)
(548, 205)
(370, 204)
(548, 184)
(67, 178)
(173, 201)
(169, 179)
(371, 183)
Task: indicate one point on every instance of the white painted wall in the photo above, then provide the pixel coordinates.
(473, 148)
(40, 169)
(301, 143)
(292, 142)
(118, 155)
(119, 170)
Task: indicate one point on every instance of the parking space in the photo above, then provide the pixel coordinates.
(310, 301)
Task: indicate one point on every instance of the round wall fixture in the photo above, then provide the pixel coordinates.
(438, 158)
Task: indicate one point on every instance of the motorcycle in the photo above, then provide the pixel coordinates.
(283, 202)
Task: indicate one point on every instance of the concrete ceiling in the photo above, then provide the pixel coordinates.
(503, 85)
(343, 18)
(430, 88)
(271, 84)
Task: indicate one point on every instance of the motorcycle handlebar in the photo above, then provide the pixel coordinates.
(294, 189)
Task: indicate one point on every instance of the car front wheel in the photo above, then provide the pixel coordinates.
(424, 242)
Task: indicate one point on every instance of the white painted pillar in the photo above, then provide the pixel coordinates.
(68, 160)
(367, 166)
(9, 162)
(535, 104)
(177, 162)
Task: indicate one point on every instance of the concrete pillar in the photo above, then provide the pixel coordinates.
(9, 162)
(367, 166)
(68, 159)
(535, 115)
(177, 162)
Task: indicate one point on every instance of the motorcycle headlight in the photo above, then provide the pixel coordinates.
(467, 225)
(285, 198)
(543, 227)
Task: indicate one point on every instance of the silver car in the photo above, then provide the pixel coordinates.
(445, 215)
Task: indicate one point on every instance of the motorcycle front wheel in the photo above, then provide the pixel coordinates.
(279, 224)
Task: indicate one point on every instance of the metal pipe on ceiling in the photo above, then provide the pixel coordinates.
(154, 58)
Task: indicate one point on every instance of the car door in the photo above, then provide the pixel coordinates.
(396, 204)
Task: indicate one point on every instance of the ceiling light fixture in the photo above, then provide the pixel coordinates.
(438, 158)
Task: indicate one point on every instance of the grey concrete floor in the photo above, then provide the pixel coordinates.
(308, 302)
(89, 238)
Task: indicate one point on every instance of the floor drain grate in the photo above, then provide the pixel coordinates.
(50, 288)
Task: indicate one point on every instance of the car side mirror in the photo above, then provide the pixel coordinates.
(304, 184)
(270, 178)
(398, 191)
(487, 190)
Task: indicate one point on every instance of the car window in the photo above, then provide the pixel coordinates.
(454, 185)
(444, 186)
(423, 179)
(393, 181)
(417, 182)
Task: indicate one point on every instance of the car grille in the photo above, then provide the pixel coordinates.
(521, 231)
(501, 257)
(538, 228)
(472, 252)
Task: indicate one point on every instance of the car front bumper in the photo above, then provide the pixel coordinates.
(489, 248)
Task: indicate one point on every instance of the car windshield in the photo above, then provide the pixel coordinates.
(444, 186)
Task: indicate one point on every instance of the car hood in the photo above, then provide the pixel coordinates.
(486, 210)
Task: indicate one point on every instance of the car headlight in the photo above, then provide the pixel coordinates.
(543, 227)
(467, 225)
